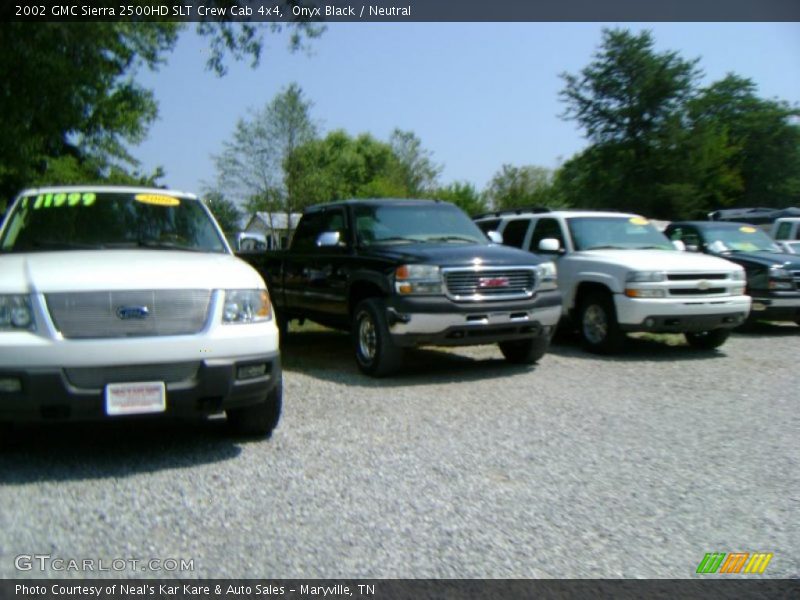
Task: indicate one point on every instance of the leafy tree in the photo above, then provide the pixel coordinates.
(72, 107)
(763, 138)
(513, 187)
(462, 194)
(224, 210)
(418, 170)
(339, 167)
(252, 163)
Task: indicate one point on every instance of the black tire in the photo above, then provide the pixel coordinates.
(598, 325)
(257, 420)
(524, 352)
(283, 327)
(707, 340)
(376, 353)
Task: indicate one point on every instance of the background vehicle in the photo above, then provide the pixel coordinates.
(762, 217)
(119, 301)
(786, 228)
(773, 277)
(404, 273)
(618, 274)
(789, 246)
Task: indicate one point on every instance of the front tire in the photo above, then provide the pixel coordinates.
(707, 340)
(376, 353)
(524, 352)
(257, 420)
(598, 326)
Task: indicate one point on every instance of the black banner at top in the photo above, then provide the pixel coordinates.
(286, 11)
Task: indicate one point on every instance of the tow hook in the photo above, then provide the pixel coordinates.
(393, 317)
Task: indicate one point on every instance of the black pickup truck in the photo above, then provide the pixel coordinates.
(405, 273)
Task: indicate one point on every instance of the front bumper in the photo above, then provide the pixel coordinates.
(668, 315)
(778, 306)
(417, 321)
(193, 389)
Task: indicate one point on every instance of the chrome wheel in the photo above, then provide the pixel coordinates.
(595, 324)
(367, 338)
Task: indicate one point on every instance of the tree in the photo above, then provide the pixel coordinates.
(252, 163)
(629, 100)
(763, 138)
(224, 210)
(72, 107)
(418, 170)
(462, 194)
(339, 167)
(513, 187)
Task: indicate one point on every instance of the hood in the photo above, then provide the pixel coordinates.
(76, 271)
(454, 254)
(659, 260)
(764, 259)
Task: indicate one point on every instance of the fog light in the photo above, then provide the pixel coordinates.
(10, 385)
(251, 371)
(649, 323)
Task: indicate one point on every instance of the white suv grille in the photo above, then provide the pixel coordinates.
(134, 313)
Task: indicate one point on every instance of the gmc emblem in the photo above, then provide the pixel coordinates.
(493, 282)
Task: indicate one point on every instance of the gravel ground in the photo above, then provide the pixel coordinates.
(462, 466)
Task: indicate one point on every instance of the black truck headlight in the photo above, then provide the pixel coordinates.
(418, 279)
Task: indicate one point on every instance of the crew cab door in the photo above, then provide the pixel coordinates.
(315, 279)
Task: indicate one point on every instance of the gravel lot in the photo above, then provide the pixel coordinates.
(463, 466)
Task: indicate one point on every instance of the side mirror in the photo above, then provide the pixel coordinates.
(329, 239)
(679, 245)
(550, 246)
(495, 237)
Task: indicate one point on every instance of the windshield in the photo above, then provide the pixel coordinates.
(414, 223)
(744, 238)
(624, 233)
(72, 220)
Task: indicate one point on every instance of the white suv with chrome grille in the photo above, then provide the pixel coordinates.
(617, 273)
(121, 301)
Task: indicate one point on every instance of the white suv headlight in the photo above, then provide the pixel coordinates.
(246, 306)
(738, 275)
(645, 276)
(16, 312)
(418, 279)
(547, 275)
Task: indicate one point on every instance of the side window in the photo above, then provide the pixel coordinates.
(689, 237)
(514, 233)
(784, 231)
(487, 226)
(546, 228)
(312, 224)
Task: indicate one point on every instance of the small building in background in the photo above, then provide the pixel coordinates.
(275, 227)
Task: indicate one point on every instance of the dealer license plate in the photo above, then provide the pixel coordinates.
(136, 398)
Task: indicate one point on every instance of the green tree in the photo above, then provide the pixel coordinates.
(70, 104)
(763, 139)
(513, 187)
(252, 163)
(339, 167)
(417, 168)
(224, 210)
(462, 194)
(630, 99)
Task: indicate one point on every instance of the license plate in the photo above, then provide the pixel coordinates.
(136, 398)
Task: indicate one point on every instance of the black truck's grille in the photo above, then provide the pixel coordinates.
(490, 284)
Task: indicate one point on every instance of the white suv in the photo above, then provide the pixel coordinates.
(617, 273)
(118, 301)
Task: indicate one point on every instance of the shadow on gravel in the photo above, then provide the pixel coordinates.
(76, 451)
(767, 329)
(637, 348)
(328, 355)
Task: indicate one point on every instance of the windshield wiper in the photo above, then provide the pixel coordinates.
(150, 244)
(607, 247)
(56, 245)
(654, 248)
(393, 240)
(451, 238)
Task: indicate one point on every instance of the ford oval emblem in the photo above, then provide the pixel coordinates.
(126, 313)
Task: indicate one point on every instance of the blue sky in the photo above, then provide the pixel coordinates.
(477, 94)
